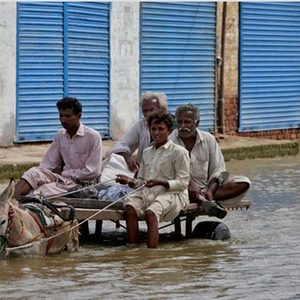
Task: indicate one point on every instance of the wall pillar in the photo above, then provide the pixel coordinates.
(125, 69)
(7, 72)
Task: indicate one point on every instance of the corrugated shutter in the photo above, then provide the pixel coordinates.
(62, 50)
(88, 61)
(178, 42)
(269, 66)
(40, 81)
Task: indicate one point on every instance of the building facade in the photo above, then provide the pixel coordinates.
(237, 61)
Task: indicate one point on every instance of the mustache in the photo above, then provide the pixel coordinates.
(184, 129)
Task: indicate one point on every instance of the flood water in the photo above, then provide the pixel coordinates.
(260, 261)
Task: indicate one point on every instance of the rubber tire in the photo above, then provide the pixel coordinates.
(212, 230)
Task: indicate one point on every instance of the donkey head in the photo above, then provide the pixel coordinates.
(4, 206)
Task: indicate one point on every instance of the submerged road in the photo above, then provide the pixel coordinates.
(260, 261)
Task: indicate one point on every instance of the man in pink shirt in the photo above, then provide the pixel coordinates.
(75, 153)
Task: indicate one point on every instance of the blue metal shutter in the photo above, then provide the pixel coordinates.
(178, 45)
(39, 69)
(62, 50)
(269, 66)
(88, 61)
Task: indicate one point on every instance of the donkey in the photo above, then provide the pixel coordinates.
(22, 231)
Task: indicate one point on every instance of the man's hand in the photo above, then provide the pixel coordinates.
(132, 164)
(123, 179)
(194, 191)
(209, 195)
(154, 182)
(57, 170)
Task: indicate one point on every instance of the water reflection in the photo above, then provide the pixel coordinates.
(260, 261)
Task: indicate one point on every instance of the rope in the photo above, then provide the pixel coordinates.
(62, 232)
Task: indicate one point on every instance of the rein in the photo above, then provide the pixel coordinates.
(31, 244)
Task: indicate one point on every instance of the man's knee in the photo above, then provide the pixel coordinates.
(130, 210)
(22, 188)
(149, 214)
(243, 187)
(32, 170)
(151, 218)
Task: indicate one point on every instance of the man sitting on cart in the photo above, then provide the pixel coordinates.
(75, 154)
(210, 184)
(164, 171)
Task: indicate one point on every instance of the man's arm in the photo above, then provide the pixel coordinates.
(211, 189)
(182, 167)
(154, 182)
(52, 159)
(132, 164)
(128, 143)
(216, 160)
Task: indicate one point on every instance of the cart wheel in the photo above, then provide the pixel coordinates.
(213, 230)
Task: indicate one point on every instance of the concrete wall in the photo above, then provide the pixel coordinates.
(124, 53)
(7, 72)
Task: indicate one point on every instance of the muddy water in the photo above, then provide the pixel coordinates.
(260, 261)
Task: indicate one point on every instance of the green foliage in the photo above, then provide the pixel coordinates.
(13, 171)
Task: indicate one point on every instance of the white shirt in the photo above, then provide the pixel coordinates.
(207, 161)
(169, 162)
(138, 137)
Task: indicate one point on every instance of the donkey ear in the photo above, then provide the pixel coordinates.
(8, 192)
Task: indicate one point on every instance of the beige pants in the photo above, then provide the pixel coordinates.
(165, 206)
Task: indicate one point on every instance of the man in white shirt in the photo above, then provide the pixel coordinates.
(165, 172)
(209, 178)
(138, 137)
(75, 153)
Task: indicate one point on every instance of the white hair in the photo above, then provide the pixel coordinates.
(160, 97)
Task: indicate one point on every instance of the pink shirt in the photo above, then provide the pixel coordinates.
(81, 155)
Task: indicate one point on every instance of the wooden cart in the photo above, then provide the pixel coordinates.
(104, 210)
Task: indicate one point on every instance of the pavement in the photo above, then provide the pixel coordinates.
(18, 158)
